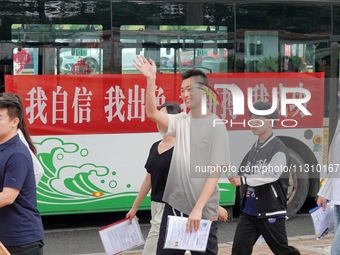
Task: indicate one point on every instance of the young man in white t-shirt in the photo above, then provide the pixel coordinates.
(191, 189)
(330, 190)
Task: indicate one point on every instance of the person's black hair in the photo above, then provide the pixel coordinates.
(171, 108)
(195, 73)
(17, 111)
(263, 105)
(14, 108)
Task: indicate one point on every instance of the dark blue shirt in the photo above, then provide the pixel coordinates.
(20, 222)
(250, 203)
(249, 206)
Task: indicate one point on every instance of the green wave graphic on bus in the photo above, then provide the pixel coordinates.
(70, 188)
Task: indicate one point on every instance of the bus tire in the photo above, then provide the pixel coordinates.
(298, 185)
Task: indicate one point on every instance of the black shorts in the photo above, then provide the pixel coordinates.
(35, 248)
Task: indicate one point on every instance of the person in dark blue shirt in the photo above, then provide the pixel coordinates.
(21, 228)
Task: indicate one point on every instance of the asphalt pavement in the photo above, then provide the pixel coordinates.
(86, 240)
(307, 245)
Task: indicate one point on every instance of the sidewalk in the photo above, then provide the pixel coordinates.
(307, 245)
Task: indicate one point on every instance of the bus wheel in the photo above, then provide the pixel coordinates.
(298, 185)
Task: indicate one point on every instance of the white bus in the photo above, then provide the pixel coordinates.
(85, 46)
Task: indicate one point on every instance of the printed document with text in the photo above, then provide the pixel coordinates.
(178, 238)
(323, 221)
(121, 236)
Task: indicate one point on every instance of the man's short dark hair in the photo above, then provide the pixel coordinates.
(13, 107)
(264, 105)
(195, 73)
(171, 108)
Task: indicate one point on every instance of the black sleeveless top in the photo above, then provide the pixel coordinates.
(157, 165)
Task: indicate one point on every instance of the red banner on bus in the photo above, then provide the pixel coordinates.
(103, 104)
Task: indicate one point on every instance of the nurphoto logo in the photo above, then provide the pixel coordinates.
(239, 102)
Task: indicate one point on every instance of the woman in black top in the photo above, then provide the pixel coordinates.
(157, 167)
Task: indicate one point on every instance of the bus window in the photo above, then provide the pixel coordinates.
(211, 60)
(179, 47)
(261, 51)
(60, 33)
(169, 60)
(25, 61)
(298, 57)
(90, 58)
(163, 57)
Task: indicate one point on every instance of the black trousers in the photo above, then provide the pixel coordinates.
(249, 228)
(212, 246)
(35, 248)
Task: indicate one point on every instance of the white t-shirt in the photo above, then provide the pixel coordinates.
(199, 145)
(331, 188)
(38, 169)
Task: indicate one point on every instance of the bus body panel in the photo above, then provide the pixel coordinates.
(97, 173)
(93, 140)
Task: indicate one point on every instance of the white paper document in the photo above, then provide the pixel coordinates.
(323, 221)
(178, 238)
(121, 236)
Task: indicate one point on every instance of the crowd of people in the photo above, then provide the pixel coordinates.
(188, 139)
(258, 217)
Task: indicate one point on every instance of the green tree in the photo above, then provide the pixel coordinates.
(268, 64)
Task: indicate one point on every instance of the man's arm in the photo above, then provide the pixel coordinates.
(235, 180)
(8, 196)
(208, 189)
(149, 70)
(267, 174)
(220, 158)
(222, 214)
(324, 193)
